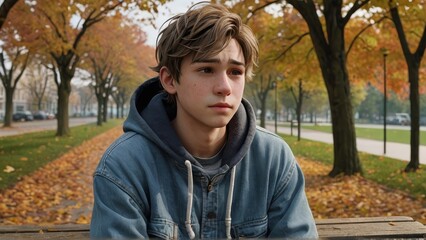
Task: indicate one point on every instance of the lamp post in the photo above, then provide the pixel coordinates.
(274, 85)
(385, 53)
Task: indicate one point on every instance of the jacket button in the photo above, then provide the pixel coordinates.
(211, 215)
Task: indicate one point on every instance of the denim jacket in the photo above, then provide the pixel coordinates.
(147, 184)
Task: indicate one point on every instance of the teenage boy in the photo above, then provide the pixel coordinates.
(192, 163)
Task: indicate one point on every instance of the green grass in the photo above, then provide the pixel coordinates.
(392, 135)
(28, 152)
(383, 170)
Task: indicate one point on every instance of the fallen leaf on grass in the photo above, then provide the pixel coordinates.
(9, 169)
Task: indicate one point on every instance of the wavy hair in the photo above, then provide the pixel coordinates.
(203, 32)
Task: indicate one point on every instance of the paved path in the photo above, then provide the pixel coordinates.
(40, 125)
(393, 150)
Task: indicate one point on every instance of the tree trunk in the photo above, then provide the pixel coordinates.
(262, 112)
(413, 75)
(105, 109)
(299, 110)
(66, 68)
(413, 63)
(117, 109)
(122, 109)
(111, 112)
(99, 117)
(64, 91)
(9, 107)
(39, 104)
(345, 151)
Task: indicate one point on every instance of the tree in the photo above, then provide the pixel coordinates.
(110, 55)
(86, 96)
(316, 103)
(326, 23)
(38, 82)
(63, 25)
(272, 67)
(413, 60)
(329, 45)
(259, 88)
(298, 96)
(15, 54)
(371, 106)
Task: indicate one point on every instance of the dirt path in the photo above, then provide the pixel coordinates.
(61, 192)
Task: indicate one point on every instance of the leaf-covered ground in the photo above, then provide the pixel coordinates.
(61, 192)
(355, 196)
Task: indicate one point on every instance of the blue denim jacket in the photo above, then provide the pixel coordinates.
(141, 184)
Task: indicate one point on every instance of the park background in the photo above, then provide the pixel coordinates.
(343, 63)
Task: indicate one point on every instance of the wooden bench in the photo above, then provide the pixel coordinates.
(373, 227)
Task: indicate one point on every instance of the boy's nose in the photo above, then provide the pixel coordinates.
(222, 86)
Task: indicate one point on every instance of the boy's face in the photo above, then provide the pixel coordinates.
(209, 91)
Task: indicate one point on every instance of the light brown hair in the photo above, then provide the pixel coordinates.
(203, 32)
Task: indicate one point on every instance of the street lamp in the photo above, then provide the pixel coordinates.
(385, 53)
(274, 85)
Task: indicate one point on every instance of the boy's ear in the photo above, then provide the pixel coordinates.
(167, 81)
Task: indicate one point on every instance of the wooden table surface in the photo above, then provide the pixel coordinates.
(372, 227)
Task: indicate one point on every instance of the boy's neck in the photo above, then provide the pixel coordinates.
(202, 143)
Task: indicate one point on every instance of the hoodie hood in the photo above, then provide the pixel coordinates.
(151, 115)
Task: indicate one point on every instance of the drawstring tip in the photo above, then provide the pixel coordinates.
(228, 228)
(189, 230)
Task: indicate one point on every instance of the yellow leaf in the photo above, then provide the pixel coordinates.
(24, 159)
(8, 169)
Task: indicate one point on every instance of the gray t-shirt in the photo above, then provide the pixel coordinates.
(212, 164)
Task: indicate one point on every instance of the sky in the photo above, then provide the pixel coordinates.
(165, 12)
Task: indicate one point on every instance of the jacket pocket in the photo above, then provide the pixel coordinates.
(162, 228)
(251, 229)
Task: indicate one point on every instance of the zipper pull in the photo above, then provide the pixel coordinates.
(210, 186)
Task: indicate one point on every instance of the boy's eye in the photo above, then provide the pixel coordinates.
(236, 72)
(206, 70)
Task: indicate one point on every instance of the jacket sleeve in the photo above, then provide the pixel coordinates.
(289, 214)
(115, 213)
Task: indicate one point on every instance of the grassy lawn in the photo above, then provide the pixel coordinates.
(392, 135)
(23, 154)
(386, 171)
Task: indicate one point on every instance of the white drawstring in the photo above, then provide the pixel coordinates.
(189, 205)
(229, 204)
(228, 218)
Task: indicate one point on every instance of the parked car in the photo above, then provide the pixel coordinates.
(51, 115)
(23, 116)
(40, 115)
(399, 119)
